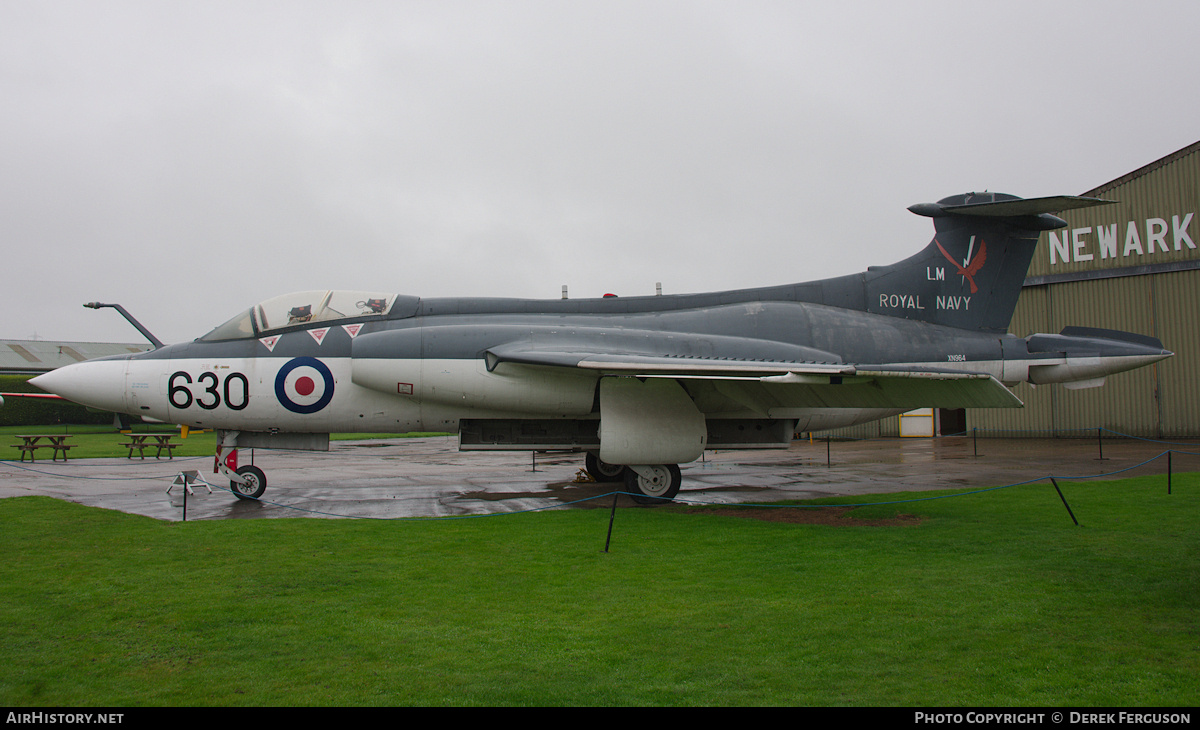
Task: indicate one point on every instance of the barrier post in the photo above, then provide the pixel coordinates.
(1100, 444)
(1064, 501)
(1168, 472)
(612, 514)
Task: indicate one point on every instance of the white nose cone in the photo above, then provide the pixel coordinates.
(96, 383)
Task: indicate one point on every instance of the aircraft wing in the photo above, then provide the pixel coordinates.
(875, 387)
(641, 365)
(767, 386)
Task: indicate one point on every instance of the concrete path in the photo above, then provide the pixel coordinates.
(429, 477)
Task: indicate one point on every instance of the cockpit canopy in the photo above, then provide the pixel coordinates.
(300, 308)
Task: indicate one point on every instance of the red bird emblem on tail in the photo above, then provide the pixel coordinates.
(972, 266)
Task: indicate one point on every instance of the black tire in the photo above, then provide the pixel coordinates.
(602, 471)
(658, 490)
(256, 483)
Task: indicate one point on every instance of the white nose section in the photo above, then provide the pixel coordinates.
(99, 384)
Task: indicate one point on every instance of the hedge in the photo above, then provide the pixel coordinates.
(41, 411)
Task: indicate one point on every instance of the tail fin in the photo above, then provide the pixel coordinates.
(970, 275)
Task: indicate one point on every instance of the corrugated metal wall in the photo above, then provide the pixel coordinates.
(1162, 400)
(1177, 300)
(884, 428)
(1159, 191)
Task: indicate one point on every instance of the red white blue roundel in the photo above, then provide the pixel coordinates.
(304, 385)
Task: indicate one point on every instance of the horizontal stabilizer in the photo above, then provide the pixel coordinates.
(1026, 206)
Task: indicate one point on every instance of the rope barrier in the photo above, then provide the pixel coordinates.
(18, 465)
(1141, 438)
(1084, 431)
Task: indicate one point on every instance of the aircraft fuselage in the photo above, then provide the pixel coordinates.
(640, 383)
(427, 371)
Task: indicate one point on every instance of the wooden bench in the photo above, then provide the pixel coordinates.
(140, 442)
(135, 443)
(29, 445)
(28, 449)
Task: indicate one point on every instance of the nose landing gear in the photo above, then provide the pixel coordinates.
(254, 483)
(247, 482)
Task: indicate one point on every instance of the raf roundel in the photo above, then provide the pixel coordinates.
(304, 385)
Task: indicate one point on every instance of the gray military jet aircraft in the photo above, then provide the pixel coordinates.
(641, 384)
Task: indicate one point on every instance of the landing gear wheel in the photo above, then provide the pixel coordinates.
(602, 471)
(660, 488)
(256, 483)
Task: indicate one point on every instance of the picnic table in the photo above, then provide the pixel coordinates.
(141, 442)
(29, 445)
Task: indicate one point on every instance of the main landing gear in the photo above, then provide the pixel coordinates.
(647, 484)
(602, 471)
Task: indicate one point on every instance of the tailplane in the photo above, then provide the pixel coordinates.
(971, 274)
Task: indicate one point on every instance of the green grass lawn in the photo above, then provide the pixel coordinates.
(993, 599)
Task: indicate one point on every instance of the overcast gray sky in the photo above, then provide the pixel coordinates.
(188, 159)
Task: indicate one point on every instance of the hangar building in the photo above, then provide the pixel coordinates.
(33, 357)
(1132, 266)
